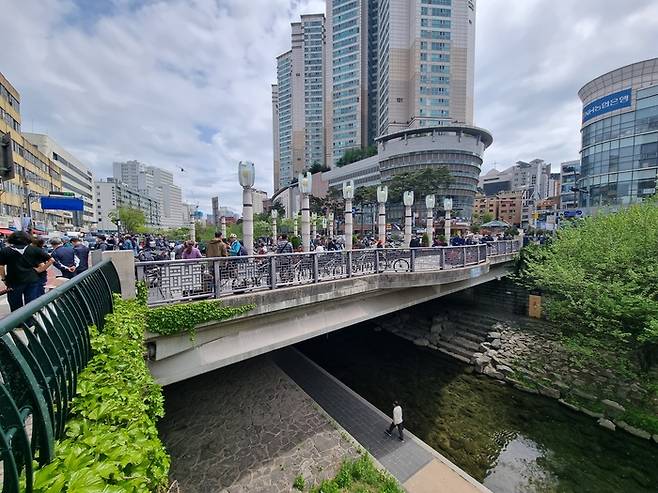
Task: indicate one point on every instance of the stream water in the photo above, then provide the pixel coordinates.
(511, 441)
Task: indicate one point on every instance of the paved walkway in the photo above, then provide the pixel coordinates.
(418, 467)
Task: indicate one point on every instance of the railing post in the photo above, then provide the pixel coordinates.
(478, 250)
(443, 258)
(316, 270)
(464, 256)
(377, 261)
(413, 260)
(349, 263)
(217, 273)
(272, 271)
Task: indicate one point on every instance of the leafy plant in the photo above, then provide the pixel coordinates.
(357, 476)
(299, 483)
(112, 442)
(184, 317)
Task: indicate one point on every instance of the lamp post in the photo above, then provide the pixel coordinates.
(294, 225)
(314, 224)
(222, 225)
(246, 176)
(305, 183)
(330, 222)
(430, 202)
(447, 206)
(275, 214)
(382, 196)
(348, 195)
(408, 200)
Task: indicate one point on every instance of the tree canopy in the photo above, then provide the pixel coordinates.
(600, 278)
(316, 167)
(132, 220)
(353, 155)
(423, 182)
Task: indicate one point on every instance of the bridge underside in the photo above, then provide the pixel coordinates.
(288, 316)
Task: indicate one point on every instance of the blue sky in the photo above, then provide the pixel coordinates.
(186, 83)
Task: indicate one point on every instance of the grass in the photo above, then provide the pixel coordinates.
(359, 476)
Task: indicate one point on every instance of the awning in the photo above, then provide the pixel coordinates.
(5, 231)
(38, 232)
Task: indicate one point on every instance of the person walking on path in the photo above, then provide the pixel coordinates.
(217, 247)
(64, 258)
(190, 251)
(20, 266)
(397, 421)
(82, 252)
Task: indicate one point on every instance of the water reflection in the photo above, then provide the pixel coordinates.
(512, 441)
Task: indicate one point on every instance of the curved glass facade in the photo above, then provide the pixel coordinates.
(619, 155)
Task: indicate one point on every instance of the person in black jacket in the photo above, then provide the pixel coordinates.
(20, 266)
(64, 258)
(82, 252)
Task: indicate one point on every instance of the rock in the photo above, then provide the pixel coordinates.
(496, 344)
(607, 424)
(569, 405)
(591, 414)
(490, 371)
(612, 408)
(422, 342)
(494, 335)
(549, 392)
(476, 356)
(655, 438)
(584, 395)
(562, 386)
(634, 431)
(526, 389)
(505, 370)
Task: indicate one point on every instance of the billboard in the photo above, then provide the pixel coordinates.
(606, 104)
(62, 203)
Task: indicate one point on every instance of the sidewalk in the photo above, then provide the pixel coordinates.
(418, 467)
(53, 282)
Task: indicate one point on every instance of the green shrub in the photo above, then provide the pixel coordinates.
(357, 476)
(184, 317)
(111, 441)
(299, 483)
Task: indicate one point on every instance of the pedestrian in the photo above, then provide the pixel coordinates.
(236, 249)
(20, 266)
(397, 421)
(190, 251)
(82, 253)
(217, 247)
(415, 242)
(40, 242)
(65, 258)
(101, 243)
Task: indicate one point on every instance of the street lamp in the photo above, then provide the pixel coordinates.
(305, 183)
(430, 202)
(408, 200)
(330, 220)
(246, 175)
(274, 214)
(222, 225)
(447, 206)
(382, 196)
(348, 195)
(314, 224)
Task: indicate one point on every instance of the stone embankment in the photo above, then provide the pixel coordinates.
(529, 355)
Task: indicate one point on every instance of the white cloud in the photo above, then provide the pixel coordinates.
(186, 83)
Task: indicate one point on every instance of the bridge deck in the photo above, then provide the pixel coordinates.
(418, 467)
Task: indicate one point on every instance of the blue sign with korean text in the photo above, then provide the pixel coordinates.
(62, 203)
(606, 104)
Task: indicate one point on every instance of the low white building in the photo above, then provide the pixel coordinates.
(112, 195)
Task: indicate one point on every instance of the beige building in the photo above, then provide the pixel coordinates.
(504, 206)
(35, 173)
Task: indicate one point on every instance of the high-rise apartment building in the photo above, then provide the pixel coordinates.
(389, 65)
(298, 101)
(113, 194)
(35, 173)
(156, 183)
(76, 178)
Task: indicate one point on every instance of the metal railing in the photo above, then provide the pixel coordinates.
(43, 347)
(216, 277)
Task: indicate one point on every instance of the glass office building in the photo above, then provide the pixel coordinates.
(619, 153)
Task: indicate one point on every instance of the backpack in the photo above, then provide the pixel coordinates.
(284, 247)
(243, 251)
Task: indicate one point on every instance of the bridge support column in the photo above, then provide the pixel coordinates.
(247, 221)
(408, 200)
(222, 225)
(348, 195)
(305, 184)
(382, 196)
(447, 206)
(124, 263)
(429, 204)
(330, 223)
(314, 226)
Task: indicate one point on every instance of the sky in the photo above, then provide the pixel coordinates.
(186, 84)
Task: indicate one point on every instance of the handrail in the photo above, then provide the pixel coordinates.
(43, 347)
(216, 277)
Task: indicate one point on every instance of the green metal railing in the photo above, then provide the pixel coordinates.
(43, 347)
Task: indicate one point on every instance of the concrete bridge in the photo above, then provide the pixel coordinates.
(301, 296)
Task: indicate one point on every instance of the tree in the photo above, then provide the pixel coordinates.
(423, 182)
(132, 220)
(600, 279)
(365, 195)
(316, 167)
(280, 208)
(353, 155)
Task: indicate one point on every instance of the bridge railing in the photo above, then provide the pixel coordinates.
(43, 347)
(216, 277)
